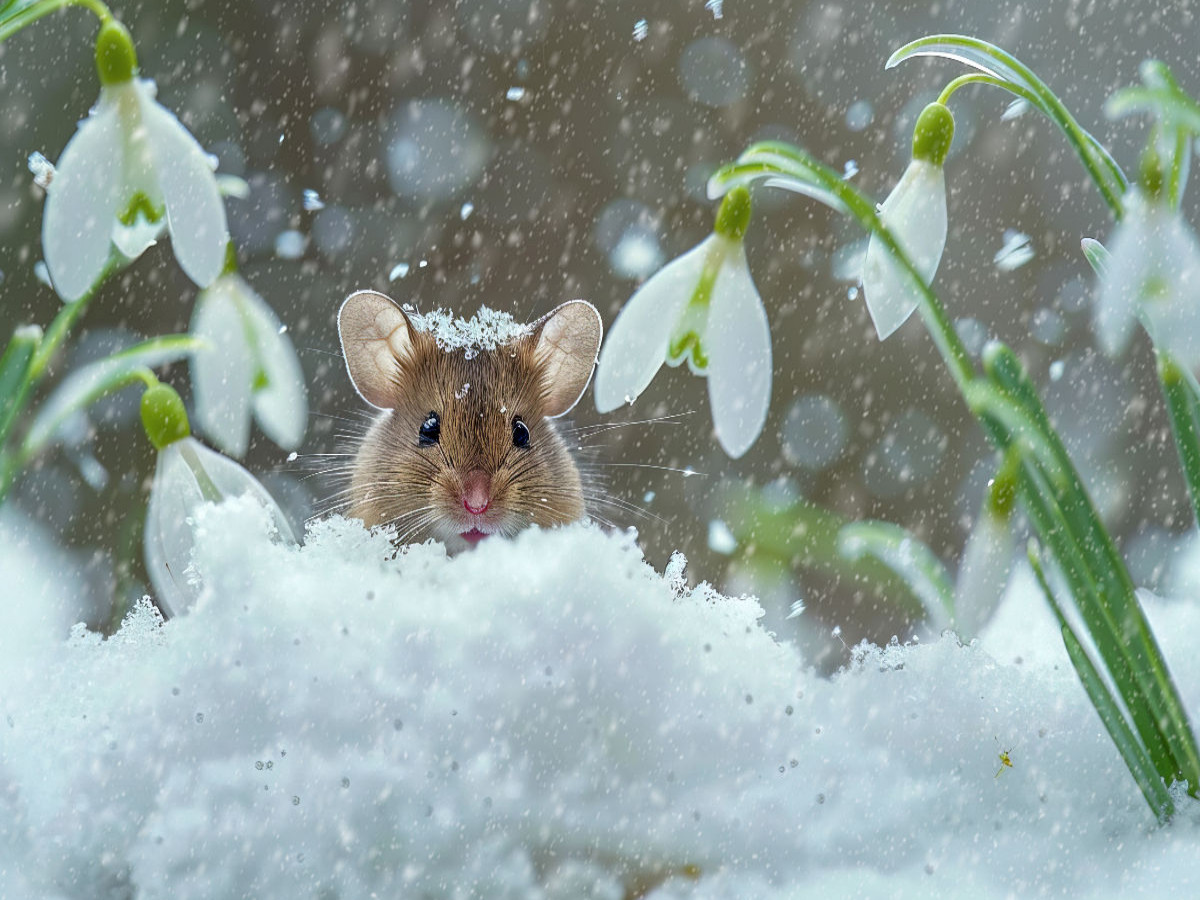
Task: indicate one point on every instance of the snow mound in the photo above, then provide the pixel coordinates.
(486, 330)
(550, 718)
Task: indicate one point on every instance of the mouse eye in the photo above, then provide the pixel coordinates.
(431, 430)
(520, 433)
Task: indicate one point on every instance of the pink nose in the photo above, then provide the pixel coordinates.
(477, 495)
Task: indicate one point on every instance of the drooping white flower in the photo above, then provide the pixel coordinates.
(248, 367)
(987, 558)
(1153, 274)
(187, 476)
(915, 214)
(130, 169)
(702, 307)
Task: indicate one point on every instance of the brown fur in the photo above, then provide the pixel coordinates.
(419, 489)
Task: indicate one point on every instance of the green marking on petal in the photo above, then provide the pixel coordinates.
(116, 60)
(140, 206)
(261, 381)
(688, 346)
(933, 134)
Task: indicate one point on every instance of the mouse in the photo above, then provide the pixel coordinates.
(463, 443)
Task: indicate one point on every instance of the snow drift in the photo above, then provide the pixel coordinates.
(550, 717)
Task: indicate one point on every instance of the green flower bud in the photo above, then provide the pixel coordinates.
(116, 60)
(733, 218)
(933, 133)
(163, 416)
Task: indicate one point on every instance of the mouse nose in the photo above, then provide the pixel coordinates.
(477, 493)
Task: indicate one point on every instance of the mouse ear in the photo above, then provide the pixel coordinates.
(376, 339)
(568, 340)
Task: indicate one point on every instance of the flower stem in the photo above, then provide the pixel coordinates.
(1014, 76)
(58, 331)
(971, 78)
(10, 25)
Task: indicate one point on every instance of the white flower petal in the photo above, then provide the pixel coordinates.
(281, 407)
(1173, 315)
(185, 478)
(167, 534)
(81, 202)
(195, 211)
(983, 573)
(637, 342)
(738, 344)
(1134, 256)
(915, 213)
(223, 373)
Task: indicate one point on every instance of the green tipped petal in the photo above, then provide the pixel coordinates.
(933, 134)
(163, 416)
(733, 218)
(116, 60)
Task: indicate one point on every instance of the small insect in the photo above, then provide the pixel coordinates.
(1005, 759)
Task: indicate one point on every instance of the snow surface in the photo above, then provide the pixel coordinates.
(551, 718)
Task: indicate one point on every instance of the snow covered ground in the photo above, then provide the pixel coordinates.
(547, 718)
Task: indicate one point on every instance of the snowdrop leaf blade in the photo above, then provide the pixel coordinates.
(281, 406)
(195, 211)
(915, 214)
(89, 383)
(223, 371)
(738, 344)
(908, 558)
(636, 344)
(81, 202)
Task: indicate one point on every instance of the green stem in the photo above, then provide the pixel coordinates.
(58, 331)
(792, 162)
(31, 14)
(1014, 76)
(972, 78)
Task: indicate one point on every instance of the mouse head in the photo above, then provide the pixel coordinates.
(464, 447)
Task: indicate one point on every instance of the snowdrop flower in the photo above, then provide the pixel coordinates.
(987, 558)
(130, 166)
(702, 307)
(187, 476)
(248, 367)
(915, 214)
(1153, 273)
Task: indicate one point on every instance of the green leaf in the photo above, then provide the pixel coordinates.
(908, 558)
(1134, 754)
(14, 365)
(16, 14)
(86, 385)
(1183, 404)
(1020, 80)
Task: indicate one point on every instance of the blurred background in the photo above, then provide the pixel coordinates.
(520, 153)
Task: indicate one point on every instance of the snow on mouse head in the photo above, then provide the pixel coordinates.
(463, 446)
